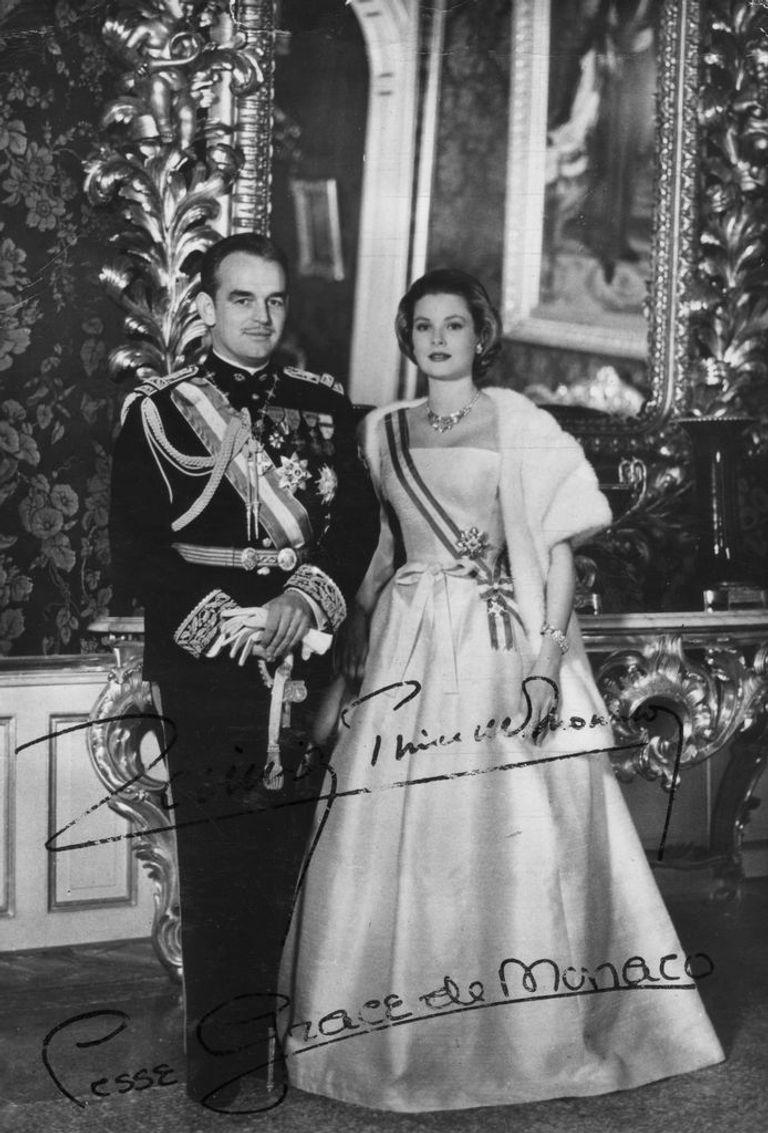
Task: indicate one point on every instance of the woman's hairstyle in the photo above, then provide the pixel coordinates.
(451, 281)
(252, 243)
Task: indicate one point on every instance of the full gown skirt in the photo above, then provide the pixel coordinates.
(452, 853)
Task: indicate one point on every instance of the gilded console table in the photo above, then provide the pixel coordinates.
(680, 688)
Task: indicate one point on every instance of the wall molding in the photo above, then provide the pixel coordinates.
(391, 32)
(75, 669)
(71, 780)
(7, 814)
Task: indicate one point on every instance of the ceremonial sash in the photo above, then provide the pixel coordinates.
(209, 414)
(468, 546)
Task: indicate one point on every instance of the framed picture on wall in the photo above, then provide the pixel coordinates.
(318, 229)
(581, 174)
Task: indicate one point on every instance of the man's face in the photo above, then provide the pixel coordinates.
(247, 314)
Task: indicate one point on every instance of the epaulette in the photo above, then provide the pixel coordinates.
(150, 386)
(327, 380)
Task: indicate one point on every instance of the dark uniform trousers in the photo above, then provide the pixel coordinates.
(240, 846)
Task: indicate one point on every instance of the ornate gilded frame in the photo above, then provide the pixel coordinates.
(192, 162)
(667, 344)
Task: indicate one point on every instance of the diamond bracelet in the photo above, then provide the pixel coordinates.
(556, 635)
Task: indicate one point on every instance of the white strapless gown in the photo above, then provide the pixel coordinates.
(445, 866)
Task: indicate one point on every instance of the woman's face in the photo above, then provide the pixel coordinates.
(444, 337)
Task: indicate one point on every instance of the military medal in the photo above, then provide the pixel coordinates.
(280, 430)
(277, 416)
(292, 473)
(327, 427)
(327, 482)
(315, 440)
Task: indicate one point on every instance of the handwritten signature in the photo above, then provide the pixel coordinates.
(514, 976)
(491, 729)
(104, 1086)
(412, 688)
(390, 1010)
(517, 982)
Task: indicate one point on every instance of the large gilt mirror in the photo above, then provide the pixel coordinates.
(601, 191)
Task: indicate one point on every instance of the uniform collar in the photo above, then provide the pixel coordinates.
(238, 382)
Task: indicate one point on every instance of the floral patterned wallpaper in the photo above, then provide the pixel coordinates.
(57, 407)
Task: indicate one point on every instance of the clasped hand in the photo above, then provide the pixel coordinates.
(270, 631)
(543, 695)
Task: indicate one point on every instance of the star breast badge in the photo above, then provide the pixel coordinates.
(293, 474)
(327, 482)
(471, 542)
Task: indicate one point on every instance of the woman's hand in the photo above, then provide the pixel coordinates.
(544, 692)
(544, 697)
(351, 647)
(543, 689)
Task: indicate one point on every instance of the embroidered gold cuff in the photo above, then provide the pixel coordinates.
(200, 628)
(320, 588)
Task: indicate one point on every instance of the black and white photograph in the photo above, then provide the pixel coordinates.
(383, 566)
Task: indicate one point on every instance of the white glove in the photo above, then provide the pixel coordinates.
(241, 632)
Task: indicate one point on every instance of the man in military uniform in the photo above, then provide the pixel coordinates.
(236, 485)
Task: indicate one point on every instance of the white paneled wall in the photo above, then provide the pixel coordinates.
(68, 893)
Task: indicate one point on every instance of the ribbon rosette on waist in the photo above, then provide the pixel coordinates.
(431, 583)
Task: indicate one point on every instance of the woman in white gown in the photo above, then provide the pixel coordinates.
(477, 923)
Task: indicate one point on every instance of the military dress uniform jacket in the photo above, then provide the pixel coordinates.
(261, 470)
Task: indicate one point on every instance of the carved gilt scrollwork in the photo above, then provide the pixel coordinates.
(674, 211)
(677, 710)
(195, 101)
(731, 303)
(630, 560)
(254, 123)
(123, 715)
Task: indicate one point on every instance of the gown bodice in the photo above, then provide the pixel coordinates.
(465, 481)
